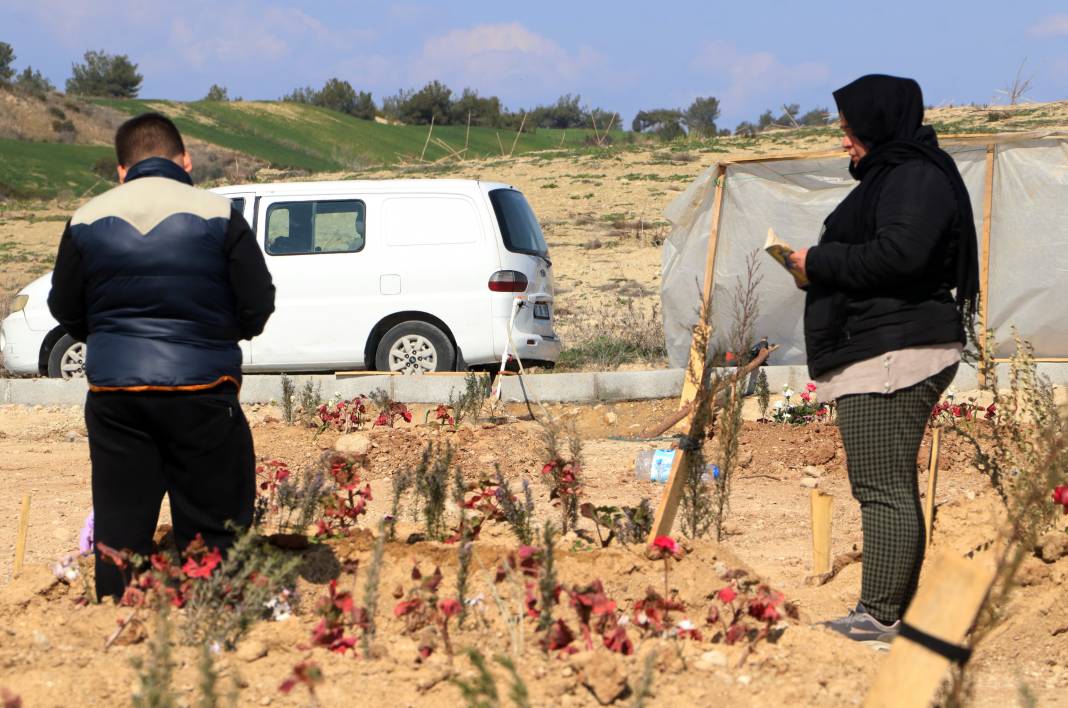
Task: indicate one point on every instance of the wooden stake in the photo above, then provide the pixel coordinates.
(500, 144)
(467, 135)
(945, 607)
(519, 132)
(428, 134)
(932, 482)
(984, 254)
(821, 532)
(20, 541)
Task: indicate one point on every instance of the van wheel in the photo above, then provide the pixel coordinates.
(415, 347)
(67, 359)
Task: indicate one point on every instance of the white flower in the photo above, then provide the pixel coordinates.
(685, 625)
(788, 394)
(779, 405)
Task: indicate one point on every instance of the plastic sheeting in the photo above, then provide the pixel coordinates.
(1028, 236)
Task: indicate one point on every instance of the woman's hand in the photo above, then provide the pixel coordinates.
(797, 261)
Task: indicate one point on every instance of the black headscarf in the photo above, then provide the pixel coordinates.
(886, 114)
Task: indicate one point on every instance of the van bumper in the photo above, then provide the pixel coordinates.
(537, 349)
(20, 345)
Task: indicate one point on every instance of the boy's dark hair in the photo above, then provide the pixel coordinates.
(147, 135)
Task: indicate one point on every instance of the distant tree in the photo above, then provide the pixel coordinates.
(817, 116)
(337, 95)
(217, 93)
(789, 114)
(391, 105)
(302, 95)
(7, 58)
(701, 116)
(766, 120)
(103, 74)
(365, 106)
(606, 120)
(565, 113)
(746, 129)
(33, 82)
(483, 110)
(665, 122)
(433, 101)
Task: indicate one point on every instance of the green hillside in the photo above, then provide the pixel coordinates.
(32, 169)
(317, 139)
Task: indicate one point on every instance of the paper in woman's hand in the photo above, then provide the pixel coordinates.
(780, 251)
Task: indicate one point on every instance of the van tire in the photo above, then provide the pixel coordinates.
(66, 353)
(419, 340)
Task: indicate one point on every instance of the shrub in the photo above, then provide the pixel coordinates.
(217, 93)
(432, 486)
(562, 471)
(518, 514)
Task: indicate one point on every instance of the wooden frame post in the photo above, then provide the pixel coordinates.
(821, 532)
(945, 607)
(932, 483)
(695, 371)
(984, 253)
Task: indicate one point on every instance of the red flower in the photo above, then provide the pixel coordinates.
(449, 607)
(991, 411)
(204, 568)
(618, 641)
(957, 412)
(406, 607)
(806, 396)
(810, 387)
(382, 419)
(729, 357)
(734, 633)
(727, 595)
(666, 544)
(1060, 496)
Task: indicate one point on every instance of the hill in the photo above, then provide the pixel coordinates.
(231, 140)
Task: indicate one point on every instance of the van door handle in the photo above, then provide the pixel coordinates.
(389, 284)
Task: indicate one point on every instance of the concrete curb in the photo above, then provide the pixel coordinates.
(579, 387)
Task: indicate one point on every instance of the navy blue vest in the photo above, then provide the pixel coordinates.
(160, 308)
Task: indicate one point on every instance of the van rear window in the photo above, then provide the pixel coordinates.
(519, 226)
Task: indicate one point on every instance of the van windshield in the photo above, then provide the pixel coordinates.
(519, 226)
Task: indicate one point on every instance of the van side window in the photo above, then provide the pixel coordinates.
(316, 227)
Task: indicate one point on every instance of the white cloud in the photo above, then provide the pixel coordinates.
(504, 59)
(1050, 26)
(749, 77)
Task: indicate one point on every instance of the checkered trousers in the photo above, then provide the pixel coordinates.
(882, 434)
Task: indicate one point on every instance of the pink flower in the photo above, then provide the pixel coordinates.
(810, 387)
(806, 396)
(727, 595)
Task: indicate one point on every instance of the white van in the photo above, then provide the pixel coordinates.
(408, 276)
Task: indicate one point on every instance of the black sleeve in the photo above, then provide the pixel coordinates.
(66, 300)
(249, 277)
(915, 208)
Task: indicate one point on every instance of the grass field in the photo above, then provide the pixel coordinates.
(50, 169)
(317, 139)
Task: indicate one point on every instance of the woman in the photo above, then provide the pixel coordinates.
(883, 328)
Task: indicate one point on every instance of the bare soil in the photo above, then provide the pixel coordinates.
(52, 648)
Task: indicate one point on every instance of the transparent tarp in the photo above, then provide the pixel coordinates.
(1029, 229)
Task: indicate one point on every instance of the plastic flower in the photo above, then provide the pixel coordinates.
(787, 394)
(206, 565)
(810, 387)
(1060, 496)
(779, 405)
(666, 545)
(449, 607)
(726, 595)
(806, 396)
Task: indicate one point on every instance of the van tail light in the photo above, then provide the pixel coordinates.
(508, 281)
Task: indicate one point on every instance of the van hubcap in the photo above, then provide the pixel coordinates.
(72, 365)
(413, 354)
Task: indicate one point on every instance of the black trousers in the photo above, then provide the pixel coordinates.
(194, 447)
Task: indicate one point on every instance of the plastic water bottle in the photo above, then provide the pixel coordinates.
(655, 466)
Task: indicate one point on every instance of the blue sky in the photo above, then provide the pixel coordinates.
(618, 56)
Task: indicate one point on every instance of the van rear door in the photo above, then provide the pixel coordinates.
(525, 251)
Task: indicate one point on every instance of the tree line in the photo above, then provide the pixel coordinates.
(115, 76)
